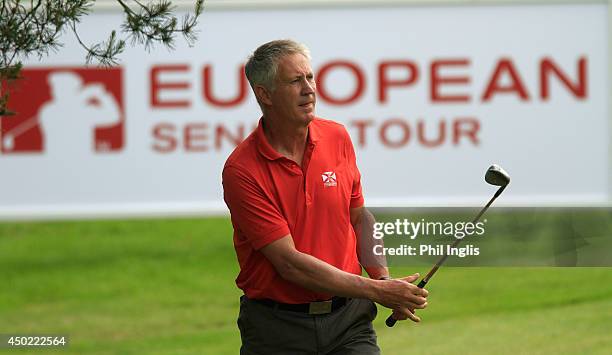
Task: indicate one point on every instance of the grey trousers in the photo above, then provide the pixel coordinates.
(269, 331)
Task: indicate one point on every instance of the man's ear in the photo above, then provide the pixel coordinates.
(263, 95)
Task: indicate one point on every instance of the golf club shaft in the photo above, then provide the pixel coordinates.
(390, 320)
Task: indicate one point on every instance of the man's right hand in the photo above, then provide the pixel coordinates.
(402, 297)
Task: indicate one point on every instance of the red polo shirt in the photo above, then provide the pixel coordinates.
(270, 196)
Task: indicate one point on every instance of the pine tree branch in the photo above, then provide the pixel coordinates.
(34, 27)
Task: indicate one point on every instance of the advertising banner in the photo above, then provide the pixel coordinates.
(431, 96)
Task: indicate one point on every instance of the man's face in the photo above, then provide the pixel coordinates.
(294, 95)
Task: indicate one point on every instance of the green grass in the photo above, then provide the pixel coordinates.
(167, 287)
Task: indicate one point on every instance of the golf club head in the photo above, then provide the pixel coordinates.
(497, 176)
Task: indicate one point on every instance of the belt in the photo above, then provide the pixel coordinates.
(321, 307)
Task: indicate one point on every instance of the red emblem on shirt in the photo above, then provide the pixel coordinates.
(329, 179)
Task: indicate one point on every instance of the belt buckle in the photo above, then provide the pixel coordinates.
(322, 307)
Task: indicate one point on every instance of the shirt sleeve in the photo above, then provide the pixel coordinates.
(258, 219)
(357, 199)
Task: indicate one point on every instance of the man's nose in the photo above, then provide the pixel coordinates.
(308, 87)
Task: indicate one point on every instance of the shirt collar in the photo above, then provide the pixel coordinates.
(266, 149)
(262, 144)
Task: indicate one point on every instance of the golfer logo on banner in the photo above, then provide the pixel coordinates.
(65, 111)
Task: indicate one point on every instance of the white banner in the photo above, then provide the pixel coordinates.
(430, 95)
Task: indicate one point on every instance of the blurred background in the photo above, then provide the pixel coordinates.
(113, 229)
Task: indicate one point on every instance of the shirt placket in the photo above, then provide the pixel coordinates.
(305, 163)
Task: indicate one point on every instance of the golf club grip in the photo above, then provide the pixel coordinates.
(390, 321)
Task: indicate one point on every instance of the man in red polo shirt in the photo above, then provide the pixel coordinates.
(294, 193)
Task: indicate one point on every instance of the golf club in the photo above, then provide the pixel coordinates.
(496, 176)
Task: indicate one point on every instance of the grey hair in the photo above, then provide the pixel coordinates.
(262, 66)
